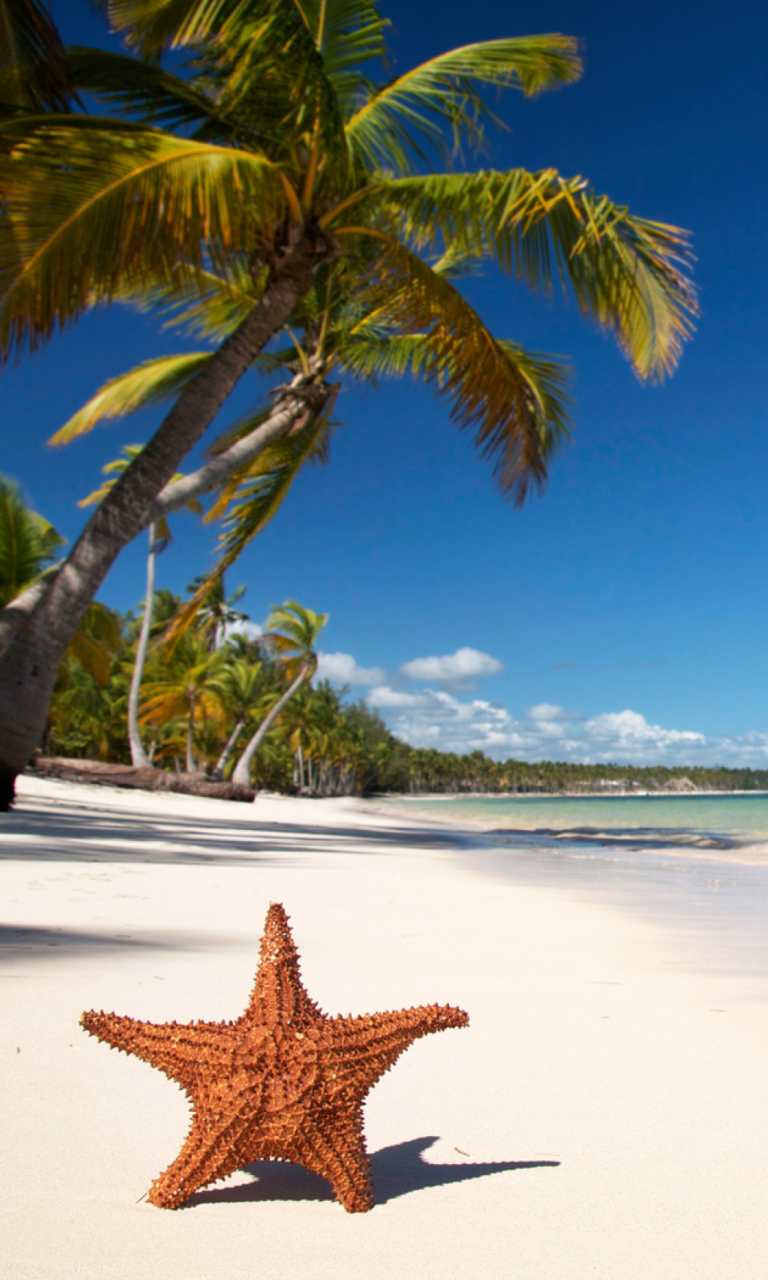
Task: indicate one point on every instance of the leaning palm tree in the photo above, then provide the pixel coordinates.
(242, 683)
(277, 157)
(291, 634)
(159, 537)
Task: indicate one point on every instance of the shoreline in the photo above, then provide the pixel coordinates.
(604, 1113)
(565, 795)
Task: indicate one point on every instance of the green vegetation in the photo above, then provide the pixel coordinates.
(442, 772)
(28, 543)
(196, 701)
(201, 701)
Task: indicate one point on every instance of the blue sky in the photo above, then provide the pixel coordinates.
(623, 615)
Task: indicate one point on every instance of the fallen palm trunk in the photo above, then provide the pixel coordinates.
(144, 779)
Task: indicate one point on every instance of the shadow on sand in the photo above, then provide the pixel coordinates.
(27, 942)
(397, 1171)
(79, 833)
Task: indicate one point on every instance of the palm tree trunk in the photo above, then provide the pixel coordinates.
(139, 757)
(300, 758)
(242, 772)
(32, 646)
(223, 759)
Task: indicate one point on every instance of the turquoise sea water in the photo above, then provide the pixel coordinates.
(700, 822)
(695, 865)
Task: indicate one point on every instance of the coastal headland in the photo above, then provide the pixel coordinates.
(605, 1113)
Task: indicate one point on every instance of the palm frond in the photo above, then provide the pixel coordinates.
(250, 499)
(374, 353)
(514, 404)
(261, 61)
(33, 73)
(348, 34)
(398, 120)
(95, 644)
(94, 207)
(204, 302)
(629, 273)
(28, 542)
(131, 87)
(149, 383)
(150, 26)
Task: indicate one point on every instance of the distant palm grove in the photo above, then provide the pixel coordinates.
(217, 686)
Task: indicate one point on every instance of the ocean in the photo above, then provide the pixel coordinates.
(696, 865)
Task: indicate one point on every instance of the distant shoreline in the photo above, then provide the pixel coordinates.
(563, 795)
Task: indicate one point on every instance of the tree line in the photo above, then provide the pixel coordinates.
(217, 687)
(441, 772)
(213, 690)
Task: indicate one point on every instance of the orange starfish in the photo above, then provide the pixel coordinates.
(284, 1082)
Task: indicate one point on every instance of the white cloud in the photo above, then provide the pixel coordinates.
(545, 712)
(383, 696)
(440, 717)
(251, 630)
(630, 732)
(457, 669)
(434, 717)
(341, 668)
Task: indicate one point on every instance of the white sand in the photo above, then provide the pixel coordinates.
(628, 1123)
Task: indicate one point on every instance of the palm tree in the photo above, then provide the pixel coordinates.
(217, 610)
(97, 641)
(85, 712)
(279, 160)
(242, 683)
(28, 543)
(291, 634)
(159, 537)
(189, 687)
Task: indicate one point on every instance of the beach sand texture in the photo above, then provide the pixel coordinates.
(600, 1117)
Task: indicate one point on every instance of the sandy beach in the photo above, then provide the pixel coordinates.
(604, 1115)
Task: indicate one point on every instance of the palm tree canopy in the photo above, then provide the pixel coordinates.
(217, 613)
(187, 681)
(276, 133)
(28, 542)
(97, 642)
(291, 633)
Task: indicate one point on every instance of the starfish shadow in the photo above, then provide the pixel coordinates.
(396, 1170)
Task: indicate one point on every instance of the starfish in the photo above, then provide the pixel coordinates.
(283, 1082)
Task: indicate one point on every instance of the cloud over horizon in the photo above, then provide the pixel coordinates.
(457, 670)
(444, 715)
(436, 718)
(341, 668)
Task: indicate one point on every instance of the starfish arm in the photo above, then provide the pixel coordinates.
(278, 995)
(173, 1048)
(331, 1144)
(215, 1147)
(364, 1048)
